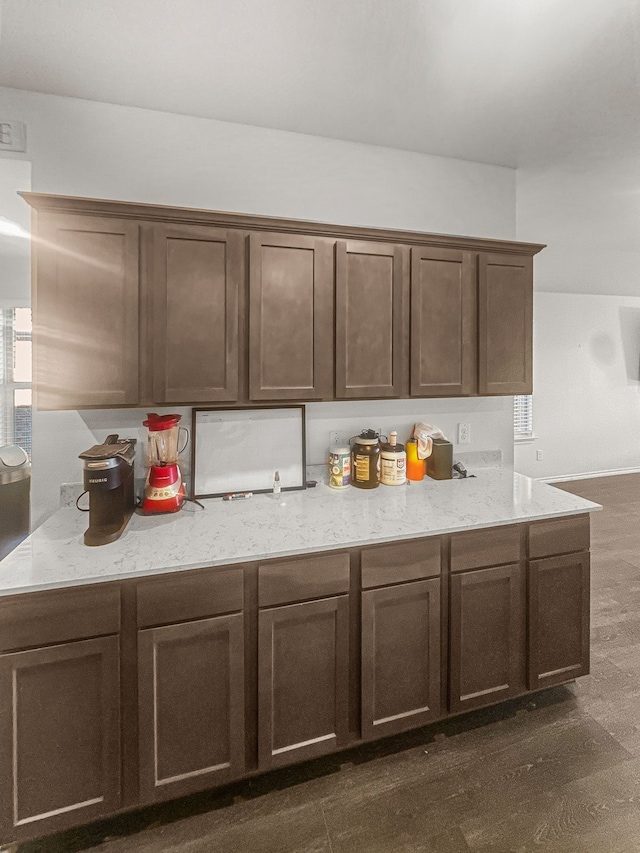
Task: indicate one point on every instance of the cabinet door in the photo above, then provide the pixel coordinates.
(443, 323)
(303, 672)
(487, 628)
(196, 275)
(191, 706)
(59, 737)
(400, 657)
(505, 324)
(86, 312)
(558, 619)
(370, 347)
(290, 317)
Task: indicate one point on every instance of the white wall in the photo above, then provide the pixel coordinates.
(490, 420)
(15, 262)
(88, 149)
(91, 149)
(586, 401)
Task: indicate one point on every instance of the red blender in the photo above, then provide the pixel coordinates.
(164, 490)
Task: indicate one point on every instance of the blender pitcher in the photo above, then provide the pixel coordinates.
(164, 490)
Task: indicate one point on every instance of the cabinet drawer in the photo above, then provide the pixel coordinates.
(383, 565)
(492, 546)
(308, 577)
(57, 615)
(558, 536)
(183, 598)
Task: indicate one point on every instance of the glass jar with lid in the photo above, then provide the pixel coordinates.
(365, 460)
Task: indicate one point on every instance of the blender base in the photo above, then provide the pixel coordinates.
(164, 490)
(159, 507)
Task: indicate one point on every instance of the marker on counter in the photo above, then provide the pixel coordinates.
(237, 496)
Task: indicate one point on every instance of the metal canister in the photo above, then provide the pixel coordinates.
(340, 467)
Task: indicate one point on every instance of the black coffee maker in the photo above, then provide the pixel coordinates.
(108, 478)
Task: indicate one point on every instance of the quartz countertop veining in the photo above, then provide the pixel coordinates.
(263, 527)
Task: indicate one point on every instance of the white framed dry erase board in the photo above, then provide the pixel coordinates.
(240, 449)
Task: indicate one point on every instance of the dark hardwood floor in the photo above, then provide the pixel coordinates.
(557, 773)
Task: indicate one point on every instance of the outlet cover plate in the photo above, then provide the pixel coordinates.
(13, 136)
(464, 433)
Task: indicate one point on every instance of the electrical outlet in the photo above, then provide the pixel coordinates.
(334, 439)
(538, 455)
(464, 433)
(13, 136)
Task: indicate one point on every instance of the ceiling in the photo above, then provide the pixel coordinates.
(508, 82)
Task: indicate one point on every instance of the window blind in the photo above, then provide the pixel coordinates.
(522, 416)
(6, 363)
(15, 377)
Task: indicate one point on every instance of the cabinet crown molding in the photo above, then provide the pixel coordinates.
(46, 202)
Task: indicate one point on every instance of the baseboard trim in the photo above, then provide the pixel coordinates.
(589, 475)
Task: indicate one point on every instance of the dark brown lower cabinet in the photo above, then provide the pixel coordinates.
(400, 657)
(191, 706)
(303, 680)
(59, 737)
(486, 636)
(191, 653)
(558, 619)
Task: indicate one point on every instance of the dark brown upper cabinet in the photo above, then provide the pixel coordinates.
(443, 360)
(195, 278)
(86, 312)
(505, 324)
(141, 304)
(290, 317)
(370, 284)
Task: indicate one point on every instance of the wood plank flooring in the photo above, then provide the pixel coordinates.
(556, 773)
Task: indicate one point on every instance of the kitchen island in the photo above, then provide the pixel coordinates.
(215, 644)
(319, 519)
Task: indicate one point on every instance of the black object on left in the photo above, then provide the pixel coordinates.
(15, 497)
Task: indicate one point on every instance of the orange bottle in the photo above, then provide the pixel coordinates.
(415, 466)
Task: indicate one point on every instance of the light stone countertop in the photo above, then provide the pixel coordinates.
(261, 527)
